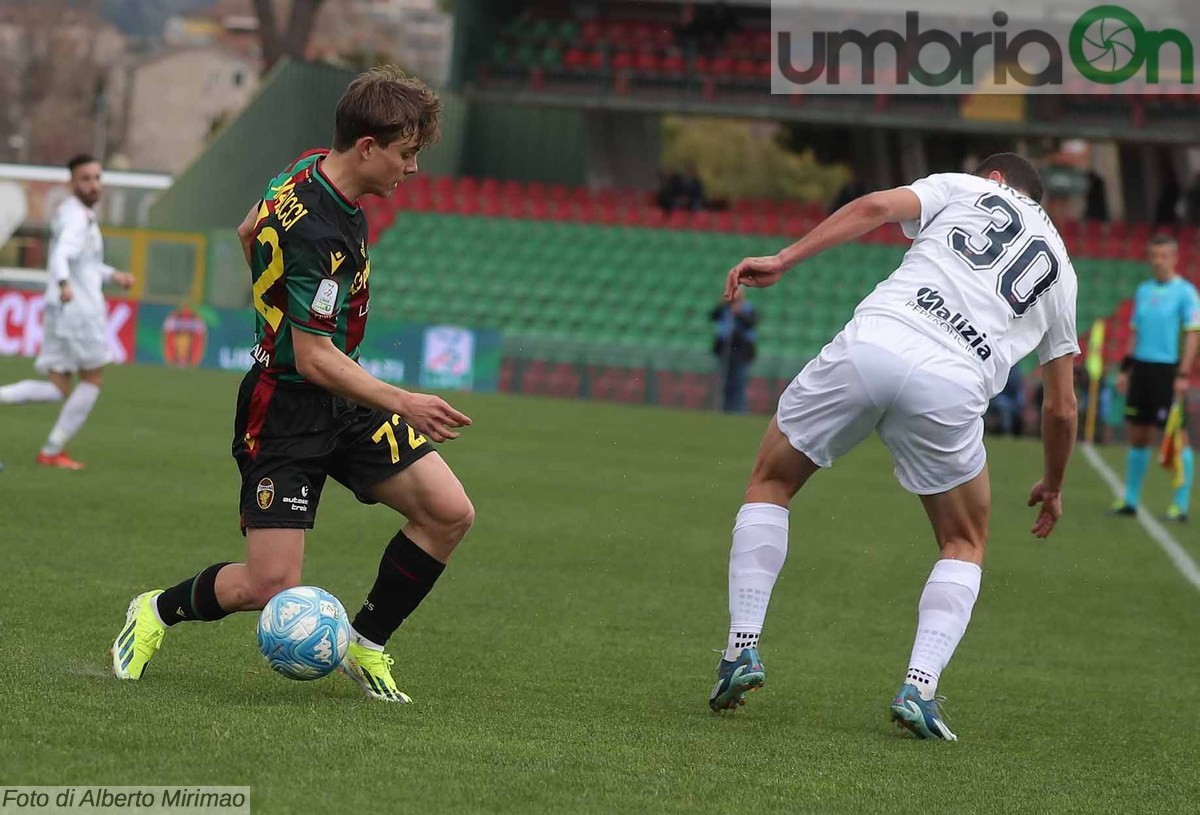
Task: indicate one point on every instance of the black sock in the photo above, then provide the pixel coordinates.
(406, 574)
(193, 599)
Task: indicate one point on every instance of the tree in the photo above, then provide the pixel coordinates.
(53, 66)
(293, 41)
(738, 159)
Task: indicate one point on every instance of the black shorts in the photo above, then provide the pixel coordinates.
(288, 437)
(1151, 393)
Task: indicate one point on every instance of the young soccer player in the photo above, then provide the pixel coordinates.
(307, 411)
(74, 335)
(986, 281)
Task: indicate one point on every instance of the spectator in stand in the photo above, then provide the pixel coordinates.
(734, 347)
(853, 189)
(1006, 407)
(680, 190)
(1096, 207)
(1193, 202)
(692, 189)
(670, 189)
(1167, 213)
(703, 30)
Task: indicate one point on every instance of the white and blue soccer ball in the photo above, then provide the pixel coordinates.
(303, 633)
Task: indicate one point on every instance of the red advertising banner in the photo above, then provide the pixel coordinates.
(21, 325)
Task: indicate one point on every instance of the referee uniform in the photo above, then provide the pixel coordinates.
(1162, 312)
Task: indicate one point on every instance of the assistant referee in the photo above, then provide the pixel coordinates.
(1153, 374)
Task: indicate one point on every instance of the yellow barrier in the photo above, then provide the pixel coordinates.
(168, 267)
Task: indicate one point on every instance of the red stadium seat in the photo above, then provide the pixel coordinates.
(647, 62)
(591, 32)
(722, 67)
(575, 58)
(745, 69)
(674, 65)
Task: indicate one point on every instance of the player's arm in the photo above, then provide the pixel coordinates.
(245, 232)
(1127, 363)
(320, 362)
(317, 294)
(1060, 419)
(68, 247)
(1191, 343)
(847, 224)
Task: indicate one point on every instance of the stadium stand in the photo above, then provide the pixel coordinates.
(609, 303)
(653, 51)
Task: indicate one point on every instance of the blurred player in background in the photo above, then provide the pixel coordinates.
(307, 410)
(986, 281)
(74, 335)
(1154, 375)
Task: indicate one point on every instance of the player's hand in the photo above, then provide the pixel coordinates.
(123, 279)
(1051, 501)
(65, 293)
(432, 416)
(1183, 383)
(1123, 383)
(757, 273)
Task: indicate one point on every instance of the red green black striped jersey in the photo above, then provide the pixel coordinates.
(310, 267)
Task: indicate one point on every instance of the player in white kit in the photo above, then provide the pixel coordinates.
(74, 339)
(986, 280)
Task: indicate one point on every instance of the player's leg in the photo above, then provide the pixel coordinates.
(960, 523)
(826, 411)
(281, 444)
(1151, 393)
(760, 540)
(273, 562)
(1140, 436)
(439, 514)
(54, 360)
(1181, 504)
(384, 461)
(29, 391)
(71, 418)
(934, 431)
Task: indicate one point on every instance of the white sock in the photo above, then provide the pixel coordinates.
(759, 549)
(363, 641)
(29, 390)
(72, 416)
(943, 614)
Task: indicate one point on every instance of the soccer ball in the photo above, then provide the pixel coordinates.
(303, 632)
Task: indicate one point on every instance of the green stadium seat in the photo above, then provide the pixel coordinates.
(628, 290)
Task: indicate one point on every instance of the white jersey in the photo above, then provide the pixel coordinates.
(987, 276)
(77, 256)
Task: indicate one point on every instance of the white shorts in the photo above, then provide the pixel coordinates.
(932, 425)
(72, 342)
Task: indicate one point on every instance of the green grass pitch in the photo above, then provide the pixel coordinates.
(563, 662)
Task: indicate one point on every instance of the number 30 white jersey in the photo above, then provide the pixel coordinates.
(987, 276)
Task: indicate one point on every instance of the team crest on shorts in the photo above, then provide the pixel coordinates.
(266, 493)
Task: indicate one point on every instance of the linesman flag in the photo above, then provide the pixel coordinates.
(1095, 355)
(1170, 455)
(1095, 371)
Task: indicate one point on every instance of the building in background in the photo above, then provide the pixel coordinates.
(178, 99)
(414, 34)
